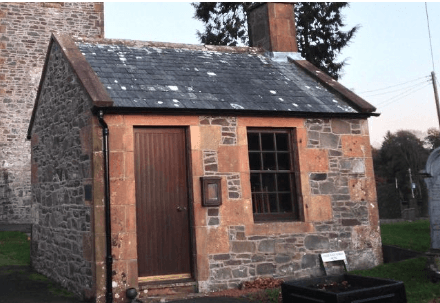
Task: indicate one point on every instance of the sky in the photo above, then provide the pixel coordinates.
(388, 61)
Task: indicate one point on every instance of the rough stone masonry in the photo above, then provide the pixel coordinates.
(25, 30)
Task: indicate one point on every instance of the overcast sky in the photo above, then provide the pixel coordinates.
(391, 48)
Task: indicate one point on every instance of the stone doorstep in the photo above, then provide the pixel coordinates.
(164, 292)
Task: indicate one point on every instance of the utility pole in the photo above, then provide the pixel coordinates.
(436, 95)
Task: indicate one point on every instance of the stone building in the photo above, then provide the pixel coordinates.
(162, 166)
(25, 29)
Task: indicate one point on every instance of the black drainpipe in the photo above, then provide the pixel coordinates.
(108, 258)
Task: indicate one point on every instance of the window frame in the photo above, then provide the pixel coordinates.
(295, 193)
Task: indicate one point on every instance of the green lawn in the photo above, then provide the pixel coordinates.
(409, 235)
(414, 236)
(412, 273)
(14, 248)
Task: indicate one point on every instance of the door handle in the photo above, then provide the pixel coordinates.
(181, 208)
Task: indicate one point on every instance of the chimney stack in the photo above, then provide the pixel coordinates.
(272, 26)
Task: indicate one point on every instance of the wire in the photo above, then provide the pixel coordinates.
(403, 94)
(429, 32)
(390, 101)
(374, 90)
(399, 89)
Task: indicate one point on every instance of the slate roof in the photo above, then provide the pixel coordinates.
(150, 77)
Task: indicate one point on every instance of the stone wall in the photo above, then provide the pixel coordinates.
(338, 201)
(339, 204)
(25, 30)
(62, 242)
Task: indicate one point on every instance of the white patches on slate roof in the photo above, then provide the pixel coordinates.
(237, 106)
(114, 57)
(263, 59)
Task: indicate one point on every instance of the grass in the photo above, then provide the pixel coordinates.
(412, 273)
(408, 235)
(14, 248)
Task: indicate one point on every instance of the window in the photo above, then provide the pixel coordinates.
(273, 174)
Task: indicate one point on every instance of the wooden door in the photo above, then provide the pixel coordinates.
(162, 215)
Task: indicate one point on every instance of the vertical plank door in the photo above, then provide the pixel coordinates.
(162, 202)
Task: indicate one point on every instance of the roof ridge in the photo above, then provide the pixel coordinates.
(169, 45)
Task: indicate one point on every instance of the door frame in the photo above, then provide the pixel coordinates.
(190, 198)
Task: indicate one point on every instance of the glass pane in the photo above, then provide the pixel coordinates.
(255, 182)
(283, 182)
(282, 142)
(253, 141)
(255, 161)
(273, 203)
(285, 203)
(269, 161)
(283, 161)
(212, 191)
(269, 182)
(267, 142)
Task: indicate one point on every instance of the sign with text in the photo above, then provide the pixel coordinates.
(334, 256)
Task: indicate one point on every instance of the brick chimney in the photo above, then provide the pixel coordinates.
(272, 26)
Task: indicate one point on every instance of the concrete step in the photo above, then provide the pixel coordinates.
(167, 291)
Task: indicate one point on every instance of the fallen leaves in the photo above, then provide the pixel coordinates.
(262, 283)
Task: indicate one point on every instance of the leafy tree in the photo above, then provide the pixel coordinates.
(319, 35)
(399, 152)
(432, 140)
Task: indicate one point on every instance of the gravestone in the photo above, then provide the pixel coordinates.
(433, 183)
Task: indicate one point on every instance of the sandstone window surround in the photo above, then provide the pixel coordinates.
(273, 174)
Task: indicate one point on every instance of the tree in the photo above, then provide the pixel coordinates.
(432, 140)
(400, 152)
(319, 35)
